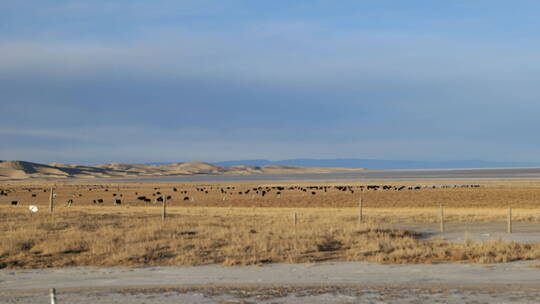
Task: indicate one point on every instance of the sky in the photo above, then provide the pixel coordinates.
(148, 81)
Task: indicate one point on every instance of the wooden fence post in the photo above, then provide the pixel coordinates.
(441, 218)
(164, 210)
(360, 210)
(509, 220)
(295, 220)
(51, 200)
(52, 293)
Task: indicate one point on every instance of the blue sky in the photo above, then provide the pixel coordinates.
(141, 81)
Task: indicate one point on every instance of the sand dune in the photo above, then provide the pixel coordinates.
(25, 170)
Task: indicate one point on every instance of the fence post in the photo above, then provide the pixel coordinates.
(52, 293)
(509, 220)
(441, 218)
(164, 210)
(360, 210)
(51, 200)
(295, 220)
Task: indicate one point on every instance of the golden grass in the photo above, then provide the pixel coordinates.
(524, 194)
(240, 229)
(135, 236)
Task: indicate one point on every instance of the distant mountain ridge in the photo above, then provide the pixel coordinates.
(374, 164)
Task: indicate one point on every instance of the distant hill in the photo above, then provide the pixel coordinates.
(24, 170)
(374, 164)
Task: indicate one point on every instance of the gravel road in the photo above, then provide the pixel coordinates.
(346, 282)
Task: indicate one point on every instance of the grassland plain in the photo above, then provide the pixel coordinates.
(217, 224)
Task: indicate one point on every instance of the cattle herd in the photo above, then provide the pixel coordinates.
(158, 195)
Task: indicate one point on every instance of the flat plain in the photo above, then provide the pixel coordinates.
(121, 224)
(253, 223)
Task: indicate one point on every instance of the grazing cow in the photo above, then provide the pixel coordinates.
(186, 198)
(69, 202)
(34, 195)
(100, 200)
(117, 202)
(14, 203)
(174, 189)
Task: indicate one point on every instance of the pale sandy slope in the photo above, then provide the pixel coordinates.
(24, 170)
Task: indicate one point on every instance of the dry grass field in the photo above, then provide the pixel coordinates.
(195, 236)
(214, 223)
(458, 194)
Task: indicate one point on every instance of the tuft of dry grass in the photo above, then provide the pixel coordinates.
(89, 236)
